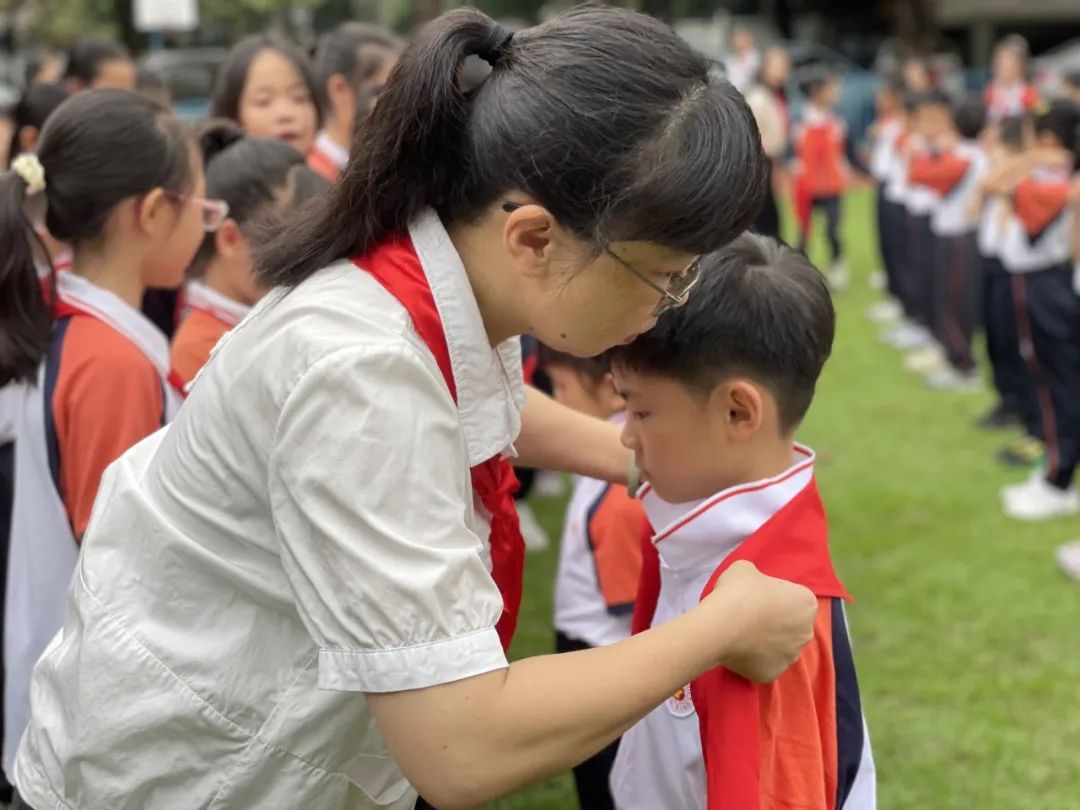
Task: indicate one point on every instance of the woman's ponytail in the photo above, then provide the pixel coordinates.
(407, 157)
(25, 324)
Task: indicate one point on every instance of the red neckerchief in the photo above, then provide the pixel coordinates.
(1038, 205)
(792, 545)
(323, 165)
(395, 265)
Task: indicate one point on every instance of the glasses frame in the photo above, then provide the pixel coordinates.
(680, 286)
(219, 209)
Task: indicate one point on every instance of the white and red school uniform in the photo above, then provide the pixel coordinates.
(1009, 101)
(209, 316)
(883, 154)
(101, 389)
(820, 146)
(327, 158)
(1036, 253)
(955, 175)
(599, 563)
(723, 743)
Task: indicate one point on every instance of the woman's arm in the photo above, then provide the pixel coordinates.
(554, 437)
(468, 742)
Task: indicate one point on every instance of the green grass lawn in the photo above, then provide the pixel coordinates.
(967, 638)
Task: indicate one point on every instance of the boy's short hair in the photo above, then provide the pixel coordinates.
(1061, 120)
(595, 368)
(969, 117)
(762, 310)
(1011, 131)
(814, 78)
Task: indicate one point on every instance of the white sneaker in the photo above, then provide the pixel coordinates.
(885, 312)
(536, 538)
(1038, 473)
(1038, 500)
(838, 276)
(906, 336)
(927, 360)
(949, 379)
(549, 484)
(1068, 557)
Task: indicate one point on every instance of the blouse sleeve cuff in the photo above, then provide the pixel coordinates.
(416, 667)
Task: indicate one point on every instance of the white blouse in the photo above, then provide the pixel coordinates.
(304, 532)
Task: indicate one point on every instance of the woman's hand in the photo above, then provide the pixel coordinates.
(470, 741)
(772, 621)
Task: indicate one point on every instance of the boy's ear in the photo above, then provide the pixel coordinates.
(741, 404)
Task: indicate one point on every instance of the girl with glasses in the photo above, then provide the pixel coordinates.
(122, 184)
(305, 587)
(251, 181)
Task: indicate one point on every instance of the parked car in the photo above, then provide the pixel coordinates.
(189, 74)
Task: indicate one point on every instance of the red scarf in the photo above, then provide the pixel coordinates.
(395, 265)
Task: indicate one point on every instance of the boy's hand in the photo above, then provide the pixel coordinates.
(771, 620)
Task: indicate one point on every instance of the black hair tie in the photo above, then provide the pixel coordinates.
(495, 45)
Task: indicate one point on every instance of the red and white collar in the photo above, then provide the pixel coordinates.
(705, 532)
(113, 310)
(490, 383)
(204, 298)
(334, 152)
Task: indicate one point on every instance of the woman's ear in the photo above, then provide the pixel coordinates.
(529, 234)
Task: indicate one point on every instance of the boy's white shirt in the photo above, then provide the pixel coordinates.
(953, 216)
(660, 762)
(580, 610)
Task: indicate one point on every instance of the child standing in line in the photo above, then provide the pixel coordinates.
(254, 179)
(123, 185)
(600, 550)
(886, 132)
(1037, 252)
(820, 147)
(954, 167)
(1009, 92)
(715, 393)
(352, 63)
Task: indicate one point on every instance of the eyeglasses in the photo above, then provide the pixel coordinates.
(214, 212)
(678, 290)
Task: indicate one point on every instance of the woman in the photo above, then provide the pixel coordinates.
(300, 593)
(768, 101)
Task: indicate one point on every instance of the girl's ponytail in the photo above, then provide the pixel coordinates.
(407, 158)
(25, 325)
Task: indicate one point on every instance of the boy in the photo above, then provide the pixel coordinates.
(715, 393)
(886, 132)
(931, 119)
(955, 167)
(1037, 254)
(823, 171)
(909, 334)
(600, 550)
